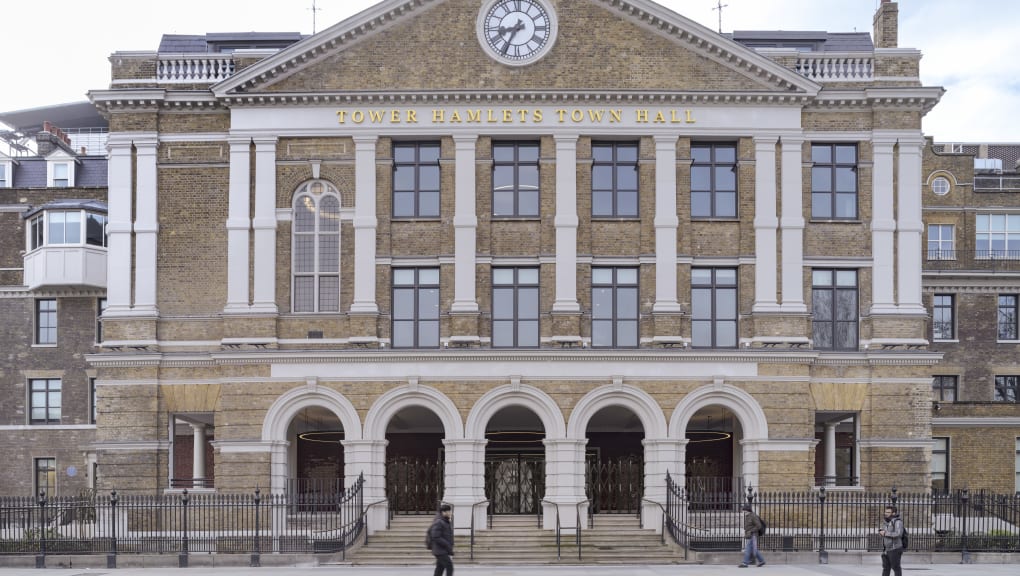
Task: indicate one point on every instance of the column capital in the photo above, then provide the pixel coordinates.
(237, 141)
(664, 140)
(463, 141)
(765, 140)
(362, 141)
(262, 142)
(564, 139)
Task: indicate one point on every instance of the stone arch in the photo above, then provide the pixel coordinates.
(391, 402)
(747, 410)
(280, 414)
(509, 395)
(644, 406)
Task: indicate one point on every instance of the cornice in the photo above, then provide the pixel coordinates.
(977, 422)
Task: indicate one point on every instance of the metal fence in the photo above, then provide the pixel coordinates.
(182, 524)
(832, 520)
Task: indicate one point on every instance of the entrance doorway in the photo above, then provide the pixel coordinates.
(317, 453)
(614, 461)
(414, 461)
(515, 461)
(713, 459)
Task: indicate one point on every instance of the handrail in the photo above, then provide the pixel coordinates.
(364, 517)
(591, 520)
(473, 525)
(577, 527)
(556, 504)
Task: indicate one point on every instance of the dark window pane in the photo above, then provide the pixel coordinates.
(725, 178)
(602, 203)
(701, 178)
(503, 333)
(602, 178)
(821, 154)
(627, 333)
(527, 333)
(429, 204)
(403, 178)
(602, 333)
(821, 179)
(701, 204)
(821, 305)
(428, 178)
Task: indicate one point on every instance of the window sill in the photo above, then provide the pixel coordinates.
(45, 345)
(953, 341)
(1007, 341)
(715, 219)
(516, 218)
(615, 218)
(835, 221)
(415, 219)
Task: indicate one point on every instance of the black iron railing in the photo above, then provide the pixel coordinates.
(181, 524)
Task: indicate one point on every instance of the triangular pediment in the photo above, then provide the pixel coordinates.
(432, 46)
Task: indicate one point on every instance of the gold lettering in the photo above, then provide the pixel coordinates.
(673, 117)
(412, 116)
(474, 115)
(660, 118)
(375, 116)
(508, 115)
(523, 114)
(455, 117)
(358, 116)
(576, 115)
(394, 116)
(690, 116)
(561, 113)
(642, 116)
(537, 116)
(596, 115)
(438, 116)
(340, 116)
(490, 117)
(616, 115)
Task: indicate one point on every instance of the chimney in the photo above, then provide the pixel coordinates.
(886, 25)
(52, 138)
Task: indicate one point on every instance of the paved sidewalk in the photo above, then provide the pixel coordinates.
(870, 569)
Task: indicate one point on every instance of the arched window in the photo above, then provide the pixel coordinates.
(315, 248)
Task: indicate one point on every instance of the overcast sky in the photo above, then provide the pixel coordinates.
(56, 50)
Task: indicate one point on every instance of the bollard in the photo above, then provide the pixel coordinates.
(823, 555)
(256, 556)
(40, 558)
(182, 558)
(111, 557)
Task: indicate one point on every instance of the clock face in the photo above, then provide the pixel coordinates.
(516, 31)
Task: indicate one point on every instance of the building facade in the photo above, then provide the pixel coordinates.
(476, 252)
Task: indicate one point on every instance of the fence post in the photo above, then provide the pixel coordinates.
(256, 557)
(965, 554)
(182, 558)
(111, 557)
(823, 555)
(40, 558)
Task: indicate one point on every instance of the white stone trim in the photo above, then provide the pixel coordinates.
(766, 225)
(238, 226)
(387, 405)
(244, 446)
(666, 225)
(895, 443)
(976, 421)
(782, 445)
(44, 427)
(653, 420)
(129, 446)
(365, 223)
(280, 414)
(523, 395)
(465, 224)
(566, 222)
(791, 225)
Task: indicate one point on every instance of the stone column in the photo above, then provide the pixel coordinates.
(566, 224)
(198, 456)
(792, 226)
(465, 482)
(909, 228)
(118, 263)
(146, 225)
(666, 224)
(264, 225)
(564, 482)
(883, 226)
(830, 453)
(368, 457)
(465, 224)
(365, 223)
(765, 225)
(661, 457)
(238, 226)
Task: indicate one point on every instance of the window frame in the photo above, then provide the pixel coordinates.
(1007, 318)
(1016, 465)
(40, 227)
(47, 325)
(943, 305)
(987, 234)
(1010, 385)
(48, 392)
(101, 304)
(614, 189)
(517, 188)
(945, 452)
(940, 383)
(517, 287)
(713, 192)
(417, 165)
(614, 319)
(937, 242)
(54, 180)
(835, 289)
(834, 165)
(93, 407)
(418, 289)
(50, 471)
(318, 192)
(715, 290)
(6, 172)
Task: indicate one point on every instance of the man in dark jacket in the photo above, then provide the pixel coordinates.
(752, 525)
(441, 533)
(892, 542)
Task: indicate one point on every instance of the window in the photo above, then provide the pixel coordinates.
(944, 388)
(416, 308)
(614, 307)
(44, 400)
(940, 465)
(835, 309)
(46, 476)
(998, 236)
(614, 179)
(5, 173)
(943, 325)
(46, 321)
(714, 181)
(515, 307)
(316, 248)
(834, 181)
(1007, 388)
(1016, 466)
(940, 242)
(100, 309)
(93, 408)
(515, 179)
(940, 186)
(714, 307)
(95, 229)
(837, 457)
(64, 227)
(1007, 320)
(416, 180)
(60, 175)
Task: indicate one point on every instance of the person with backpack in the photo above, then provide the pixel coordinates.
(753, 527)
(892, 532)
(439, 539)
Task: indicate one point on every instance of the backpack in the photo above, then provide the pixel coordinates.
(428, 537)
(903, 535)
(761, 531)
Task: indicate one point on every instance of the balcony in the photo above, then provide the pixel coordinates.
(836, 66)
(66, 245)
(982, 260)
(193, 69)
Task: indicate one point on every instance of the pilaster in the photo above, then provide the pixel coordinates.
(365, 224)
(883, 226)
(792, 226)
(119, 252)
(910, 227)
(146, 224)
(264, 226)
(765, 225)
(238, 226)
(666, 224)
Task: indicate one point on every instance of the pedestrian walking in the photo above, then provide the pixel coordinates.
(441, 538)
(892, 542)
(753, 526)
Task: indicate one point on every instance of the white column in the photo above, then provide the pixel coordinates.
(666, 224)
(660, 458)
(564, 481)
(909, 227)
(118, 263)
(883, 226)
(146, 225)
(198, 456)
(364, 226)
(465, 224)
(566, 224)
(264, 225)
(765, 225)
(830, 453)
(792, 226)
(368, 457)
(464, 484)
(238, 226)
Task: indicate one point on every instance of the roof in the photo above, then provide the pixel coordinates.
(68, 204)
(225, 41)
(822, 41)
(65, 116)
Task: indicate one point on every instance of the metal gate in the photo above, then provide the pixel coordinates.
(615, 485)
(515, 483)
(414, 485)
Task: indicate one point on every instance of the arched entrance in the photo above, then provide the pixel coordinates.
(514, 461)
(713, 455)
(415, 458)
(614, 461)
(316, 457)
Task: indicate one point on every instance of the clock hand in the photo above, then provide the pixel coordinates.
(513, 32)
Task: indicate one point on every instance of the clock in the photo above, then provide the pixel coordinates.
(516, 32)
